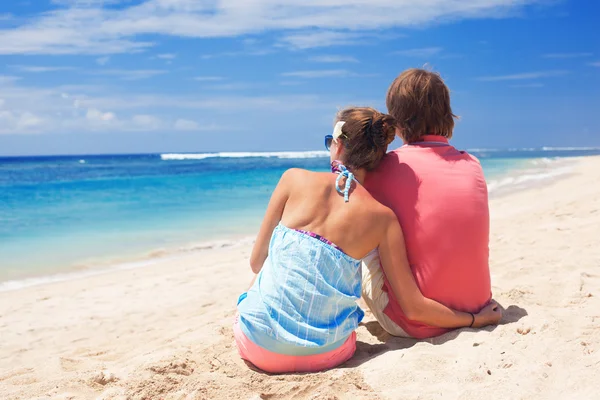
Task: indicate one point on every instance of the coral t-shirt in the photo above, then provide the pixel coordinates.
(440, 197)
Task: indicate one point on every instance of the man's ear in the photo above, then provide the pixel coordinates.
(399, 133)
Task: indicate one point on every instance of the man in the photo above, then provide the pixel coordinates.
(439, 195)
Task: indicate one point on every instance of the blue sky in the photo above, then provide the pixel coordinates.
(123, 76)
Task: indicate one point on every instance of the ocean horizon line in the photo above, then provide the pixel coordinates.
(174, 155)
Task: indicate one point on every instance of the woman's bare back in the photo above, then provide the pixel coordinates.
(314, 205)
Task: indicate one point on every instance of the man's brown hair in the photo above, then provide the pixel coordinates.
(419, 101)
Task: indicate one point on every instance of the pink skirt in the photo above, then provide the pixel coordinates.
(282, 363)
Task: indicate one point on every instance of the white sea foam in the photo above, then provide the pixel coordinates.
(570, 148)
(540, 170)
(323, 154)
(530, 149)
(275, 154)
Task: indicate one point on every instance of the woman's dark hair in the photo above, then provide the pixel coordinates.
(366, 135)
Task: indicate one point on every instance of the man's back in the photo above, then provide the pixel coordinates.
(440, 197)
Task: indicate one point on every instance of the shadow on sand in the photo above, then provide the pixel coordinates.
(367, 351)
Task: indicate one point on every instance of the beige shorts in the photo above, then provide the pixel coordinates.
(374, 296)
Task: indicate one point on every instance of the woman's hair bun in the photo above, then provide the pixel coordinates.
(381, 129)
(367, 134)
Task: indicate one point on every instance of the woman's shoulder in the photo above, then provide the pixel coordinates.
(298, 177)
(295, 174)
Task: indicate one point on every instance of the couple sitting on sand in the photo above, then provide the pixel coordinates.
(416, 218)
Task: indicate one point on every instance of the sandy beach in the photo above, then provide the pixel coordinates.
(164, 331)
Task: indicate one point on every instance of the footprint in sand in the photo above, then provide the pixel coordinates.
(69, 364)
(15, 374)
(586, 348)
(523, 331)
(103, 378)
(115, 393)
(183, 367)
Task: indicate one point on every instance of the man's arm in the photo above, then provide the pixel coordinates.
(416, 307)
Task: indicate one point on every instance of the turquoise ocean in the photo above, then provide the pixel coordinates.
(66, 215)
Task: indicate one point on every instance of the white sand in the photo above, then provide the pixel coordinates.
(164, 331)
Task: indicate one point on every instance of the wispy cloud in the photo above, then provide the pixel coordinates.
(419, 53)
(312, 39)
(528, 85)
(167, 56)
(233, 86)
(567, 55)
(523, 76)
(102, 60)
(241, 53)
(594, 64)
(24, 122)
(146, 122)
(130, 74)
(109, 30)
(93, 114)
(39, 68)
(110, 107)
(291, 83)
(333, 59)
(323, 73)
(209, 78)
(4, 79)
(186, 125)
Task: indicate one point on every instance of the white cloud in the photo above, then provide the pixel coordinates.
(234, 86)
(24, 122)
(241, 53)
(333, 59)
(145, 121)
(523, 76)
(28, 120)
(291, 83)
(167, 56)
(6, 117)
(94, 114)
(90, 27)
(185, 125)
(209, 78)
(39, 68)
(112, 107)
(419, 53)
(567, 55)
(528, 85)
(324, 73)
(8, 79)
(130, 74)
(102, 60)
(311, 39)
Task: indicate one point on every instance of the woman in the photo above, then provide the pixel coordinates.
(300, 314)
